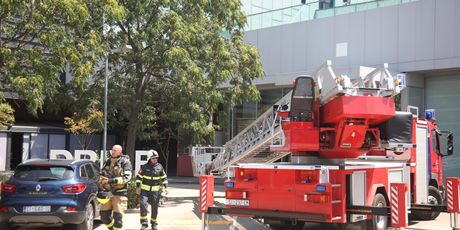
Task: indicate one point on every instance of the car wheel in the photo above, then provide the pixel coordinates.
(434, 198)
(88, 223)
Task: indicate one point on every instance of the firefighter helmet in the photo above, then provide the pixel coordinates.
(152, 154)
(104, 196)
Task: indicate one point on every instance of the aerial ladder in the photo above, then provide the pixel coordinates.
(251, 145)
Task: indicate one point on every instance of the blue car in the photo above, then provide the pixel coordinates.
(51, 193)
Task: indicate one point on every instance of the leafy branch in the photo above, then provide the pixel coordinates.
(84, 125)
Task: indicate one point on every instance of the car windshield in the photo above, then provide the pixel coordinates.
(43, 173)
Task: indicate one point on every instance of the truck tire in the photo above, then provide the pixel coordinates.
(378, 222)
(288, 225)
(434, 198)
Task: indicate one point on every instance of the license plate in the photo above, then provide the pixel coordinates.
(233, 202)
(29, 209)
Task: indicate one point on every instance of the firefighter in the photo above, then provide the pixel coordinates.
(150, 181)
(113, 194)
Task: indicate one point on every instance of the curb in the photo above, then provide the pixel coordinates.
(194, 181)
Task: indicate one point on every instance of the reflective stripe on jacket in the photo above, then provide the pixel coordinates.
(151, 177)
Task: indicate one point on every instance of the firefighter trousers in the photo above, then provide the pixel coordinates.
(112, 212)
(152, 198)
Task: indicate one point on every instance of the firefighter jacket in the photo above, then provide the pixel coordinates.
(118, 171)
(151, 177)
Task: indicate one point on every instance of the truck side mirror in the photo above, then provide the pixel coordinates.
(450, 144)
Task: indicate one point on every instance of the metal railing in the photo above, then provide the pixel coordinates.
(260, 131)
(202, 157)
(218, 159)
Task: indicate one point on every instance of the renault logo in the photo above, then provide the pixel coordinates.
(38, 187)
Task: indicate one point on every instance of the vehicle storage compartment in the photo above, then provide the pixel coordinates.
(397, 130)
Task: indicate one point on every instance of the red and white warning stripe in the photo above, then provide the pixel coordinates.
(204, 185)
(450, 195)
(394, 204)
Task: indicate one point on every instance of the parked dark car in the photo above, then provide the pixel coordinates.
(51, 193)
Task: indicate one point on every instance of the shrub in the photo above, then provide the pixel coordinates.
(5, 175)
(133, 198)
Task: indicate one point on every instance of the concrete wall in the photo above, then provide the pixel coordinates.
(422, 35)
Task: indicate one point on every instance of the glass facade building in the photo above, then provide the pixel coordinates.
(268, 13)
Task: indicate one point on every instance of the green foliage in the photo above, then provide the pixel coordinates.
(6, 113)
(179, 62)
(41, 38)
(84, 125)
(133, 198)
(5, 175)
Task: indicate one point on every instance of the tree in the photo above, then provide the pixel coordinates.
(38, 39)
(6, 114)
(84, 125)
(183, 52)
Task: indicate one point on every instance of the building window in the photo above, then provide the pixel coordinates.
(39, 146)
(244, 114)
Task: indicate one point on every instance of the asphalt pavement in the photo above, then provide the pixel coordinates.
(180, 212)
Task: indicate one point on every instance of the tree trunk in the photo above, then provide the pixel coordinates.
(167, 161)
(131, 136)
(136, 109)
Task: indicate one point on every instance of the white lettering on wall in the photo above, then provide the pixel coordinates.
(60, 154)
(85, 154)
(140, 160)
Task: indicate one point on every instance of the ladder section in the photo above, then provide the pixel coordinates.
(252, 145)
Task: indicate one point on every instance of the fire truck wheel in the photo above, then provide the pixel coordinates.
(378, 222)
(434, 198)
(288, 225)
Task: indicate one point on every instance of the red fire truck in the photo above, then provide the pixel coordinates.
(347, 143)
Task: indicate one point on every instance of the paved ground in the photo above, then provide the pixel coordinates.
(180, 213)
